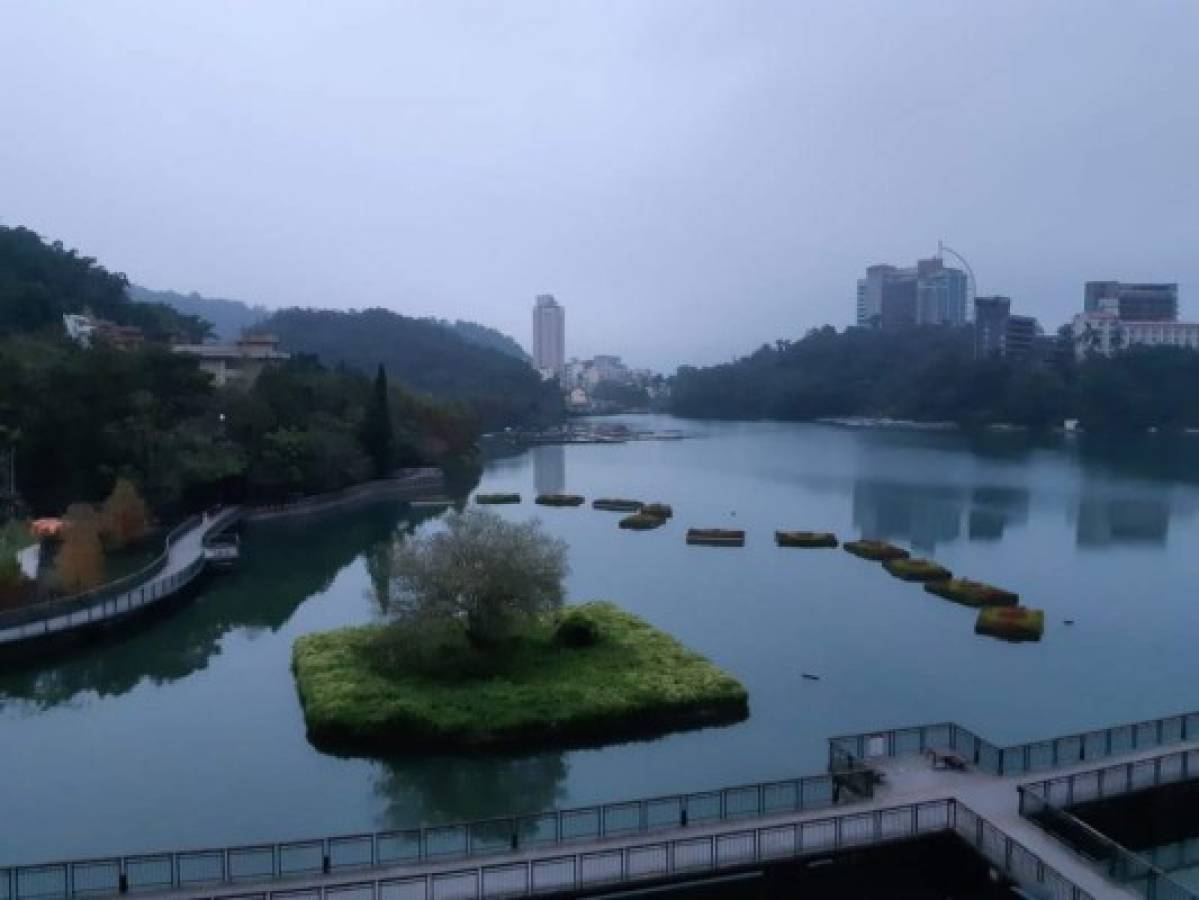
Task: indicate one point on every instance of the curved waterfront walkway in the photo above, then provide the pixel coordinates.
(183, 558)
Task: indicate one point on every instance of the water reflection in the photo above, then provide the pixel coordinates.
(923, 514)
(440, 789)
(549, 468)
(995, 508)
(1104, 520)
(282, 565)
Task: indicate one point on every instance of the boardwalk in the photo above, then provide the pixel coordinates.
(182, 560)
(911, 799)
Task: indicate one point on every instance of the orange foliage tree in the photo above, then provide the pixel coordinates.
(124, 517)
(80, 561)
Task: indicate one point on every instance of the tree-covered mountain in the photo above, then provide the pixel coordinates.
(930, 374)
(79, 417)
(425, 356)
(486, 336)
(229, 318)
(41, 282)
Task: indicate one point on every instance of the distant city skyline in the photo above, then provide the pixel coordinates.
(697, 179)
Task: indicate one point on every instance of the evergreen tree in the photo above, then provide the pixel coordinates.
(377, 437)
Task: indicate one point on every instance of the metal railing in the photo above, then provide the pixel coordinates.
(1120, 864)
(699, 855)
(114, 598)
(1123, 778)
(1009, 856)
(263, 862)
(1034, 756)
(411, 479)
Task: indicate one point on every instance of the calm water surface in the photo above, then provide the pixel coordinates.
(190, 734)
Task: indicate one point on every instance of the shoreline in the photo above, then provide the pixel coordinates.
(410, 486)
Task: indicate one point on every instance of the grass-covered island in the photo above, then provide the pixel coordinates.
(582, 675)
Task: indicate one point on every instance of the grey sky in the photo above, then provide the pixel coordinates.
(689, 178)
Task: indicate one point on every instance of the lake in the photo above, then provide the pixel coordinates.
(189, 733)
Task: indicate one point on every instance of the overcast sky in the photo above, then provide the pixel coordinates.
(689, 179)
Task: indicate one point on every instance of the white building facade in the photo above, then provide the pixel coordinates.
(1105, 333)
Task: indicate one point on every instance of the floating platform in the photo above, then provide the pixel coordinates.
(642, 522)
(876, 551)
(972, 593)
(1011, 623)
(610, 505)
(917, 569)
(431, 502)
(806, 539)
(559, 500)
(661, 510)
(496, 499)
(715, 537)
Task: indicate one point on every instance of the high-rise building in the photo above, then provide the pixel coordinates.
(1132, 302)
(991, 316)
(1022, 333)
(998, 333)
(940, 294)
(929, 293)
(549, 336)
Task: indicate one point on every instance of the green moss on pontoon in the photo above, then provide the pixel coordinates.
(972, 593)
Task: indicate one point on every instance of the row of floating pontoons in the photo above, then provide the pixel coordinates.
(999, 611)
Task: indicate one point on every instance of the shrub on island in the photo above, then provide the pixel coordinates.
(577, 627)
(715, 537)
(1011, 623)
(559, 500)
(807, 539)
(916, 569)
(362, 691)
(610, 505)
(641, 522)
(661, 510)
(876, 551)
(972, 593)
(495, 499)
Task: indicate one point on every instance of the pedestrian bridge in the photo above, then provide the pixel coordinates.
(185, 554)
(882, 787)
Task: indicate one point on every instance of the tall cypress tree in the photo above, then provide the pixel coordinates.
(377, 437)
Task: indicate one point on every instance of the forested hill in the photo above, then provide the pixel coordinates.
(425, 356)
(930, 374)
(40, 282)
(485, 336)
(79, 418)
(229, 318)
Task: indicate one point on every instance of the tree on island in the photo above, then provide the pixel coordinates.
(483, 575)
(377, 437)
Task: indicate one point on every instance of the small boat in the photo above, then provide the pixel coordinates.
(716, 537)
